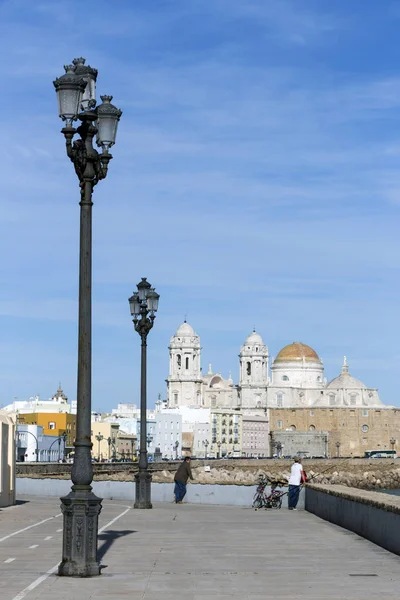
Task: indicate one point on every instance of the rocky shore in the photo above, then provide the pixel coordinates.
(359, 473)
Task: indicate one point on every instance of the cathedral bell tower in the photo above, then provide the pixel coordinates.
(185, 379)
(253, 373)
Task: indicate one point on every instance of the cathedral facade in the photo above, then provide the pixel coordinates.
(294, 379)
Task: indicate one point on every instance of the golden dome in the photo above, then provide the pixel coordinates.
(297, 352)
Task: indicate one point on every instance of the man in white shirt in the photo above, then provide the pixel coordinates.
(295, 479)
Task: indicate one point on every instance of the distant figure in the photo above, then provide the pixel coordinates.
(297, 476)
(182, 475)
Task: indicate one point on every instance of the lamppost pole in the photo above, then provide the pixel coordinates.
(76, 94)
(143, 303)
(176, 449)
(337, 448)
(219, 449)
(99, 438)
(205, 443)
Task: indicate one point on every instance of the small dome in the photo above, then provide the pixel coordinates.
(254, 338)
(185, 330)
(297, 352)
(345, 380)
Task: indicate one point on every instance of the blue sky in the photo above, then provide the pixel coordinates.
(255, 182)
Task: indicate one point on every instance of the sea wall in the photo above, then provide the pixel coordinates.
(372, 515)
(228, 495)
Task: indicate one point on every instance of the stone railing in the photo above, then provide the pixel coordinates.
(372, 515)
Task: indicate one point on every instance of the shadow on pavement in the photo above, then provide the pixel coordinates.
(109, 538)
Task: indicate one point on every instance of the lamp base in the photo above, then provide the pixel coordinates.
(81, 509)
(143, 489)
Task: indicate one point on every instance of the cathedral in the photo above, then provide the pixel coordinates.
(294, 379)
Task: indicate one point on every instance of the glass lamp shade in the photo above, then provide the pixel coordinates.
(143, 289)
(69, 88)
(89, 75)
(152, 300)
(108, 116)
(134, 304)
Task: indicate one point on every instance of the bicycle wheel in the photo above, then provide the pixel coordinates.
(257, 501)
(277, 503)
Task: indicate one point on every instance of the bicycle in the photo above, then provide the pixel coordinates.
(263, 500)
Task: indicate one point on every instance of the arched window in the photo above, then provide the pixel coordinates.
(285, 378)
(279, 399)
(178, 360)
(312, 427)
(248, 368)
(187, 362)
(198, 398)
(292, 428)
(175, 398)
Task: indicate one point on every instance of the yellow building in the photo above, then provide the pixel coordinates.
(53, 424)
(104, 440)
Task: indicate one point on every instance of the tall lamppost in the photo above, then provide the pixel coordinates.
(205, 444)
(337, 449)
(143, 305)
(99, 437)
(219, 448)
(76, 94)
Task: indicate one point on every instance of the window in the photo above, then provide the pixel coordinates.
(365, 413)
(248, 368)
(285, 378)
(175, 398)
(311, 413)
(187, 362)
(279, 399)
(178, 360)
(52, 425)
(364, 441)
(364, 428)
(292, 428)
(279, 424)
(312, 427)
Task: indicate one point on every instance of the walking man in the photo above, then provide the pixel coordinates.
(296, 478)
(182, 475)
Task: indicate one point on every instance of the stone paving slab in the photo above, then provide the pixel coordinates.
(194, 552)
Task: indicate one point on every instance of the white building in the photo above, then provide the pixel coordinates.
(7, 459)
(57, 404)
(295, 379)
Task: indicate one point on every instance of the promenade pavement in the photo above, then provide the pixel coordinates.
(194, 552)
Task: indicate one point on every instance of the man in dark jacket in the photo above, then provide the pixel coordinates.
(182, 475)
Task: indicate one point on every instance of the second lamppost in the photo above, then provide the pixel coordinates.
(143, 305)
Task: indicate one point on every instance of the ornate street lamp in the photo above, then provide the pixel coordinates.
(219, 448)
(337, 449)
(205, 444)
(143, 305)
(76, 95)
(99, 437)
